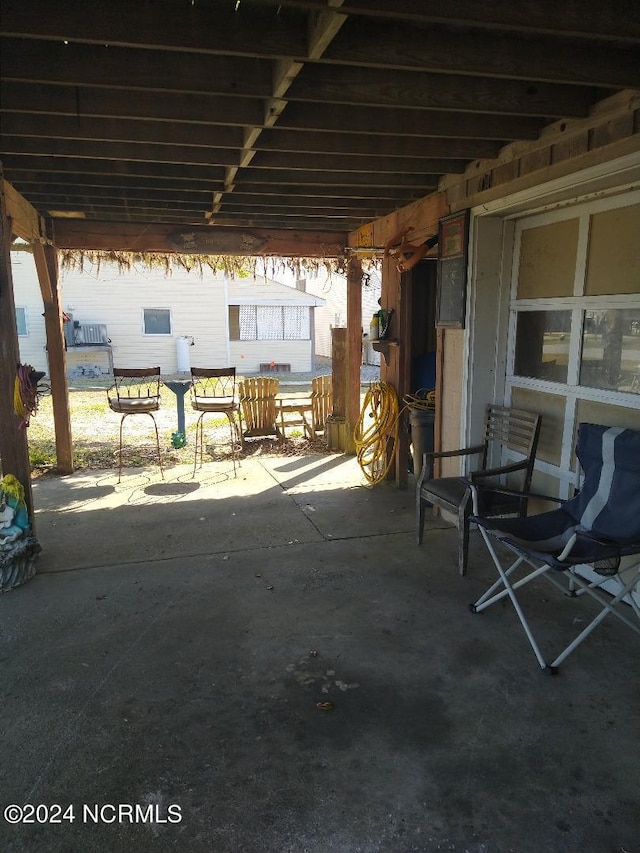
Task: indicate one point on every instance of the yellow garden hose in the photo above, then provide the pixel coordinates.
(376, 432)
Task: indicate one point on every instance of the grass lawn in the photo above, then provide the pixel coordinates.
(95, 430)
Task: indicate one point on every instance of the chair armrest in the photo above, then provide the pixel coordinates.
(429, 455)
(494, 472)
(503, 490)
(463, 451)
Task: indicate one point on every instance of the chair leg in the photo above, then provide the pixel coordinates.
(233, 442)
(120, 449)
(199, 438)
(420, 507)
(155, 426)
(238, 426)
(463, 539)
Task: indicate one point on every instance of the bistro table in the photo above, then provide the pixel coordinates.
(179, 385)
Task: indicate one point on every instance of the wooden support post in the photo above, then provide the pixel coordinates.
(354, 347)
(437, 427)
(14, 450)
(405, 300)
(47, 267)
(336, 422)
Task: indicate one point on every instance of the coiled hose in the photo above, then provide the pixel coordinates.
(25, 393)
(376, 432)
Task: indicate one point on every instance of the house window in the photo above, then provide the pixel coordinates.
(574, 351)
(269, 323)
(611, 349)
(542, 344)
(157, 321)
(21, 321)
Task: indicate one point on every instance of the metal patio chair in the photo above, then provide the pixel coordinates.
(213, 392)
(514, 429)
(597, 527)
(135, 391)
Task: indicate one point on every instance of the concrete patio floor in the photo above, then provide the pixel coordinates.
(175, 646)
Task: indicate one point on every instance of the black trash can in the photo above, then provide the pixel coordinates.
(421, 422)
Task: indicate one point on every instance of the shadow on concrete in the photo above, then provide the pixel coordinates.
(293, 673)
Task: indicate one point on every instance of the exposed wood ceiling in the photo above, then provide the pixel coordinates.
(298, 114)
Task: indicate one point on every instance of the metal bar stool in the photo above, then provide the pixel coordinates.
(136, 391)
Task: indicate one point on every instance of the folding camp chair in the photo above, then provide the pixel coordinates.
(597, 527)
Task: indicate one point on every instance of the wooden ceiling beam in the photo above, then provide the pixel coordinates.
(330, 202)
(407, 121)
(445, 42)
(337, 191)
(81, 65)
(103, 186)
(211, 157)
(388, 146)
(373, 87)
(116, 169)
(120, 130)
(73, 190)
(197, 28)
(494, 54)
(147, 153)
(617, 20)
(310, 177)
(269, 178)
(123, 68)
(89, 102)
(210, 110)
(335, 163)
(82, 234)
(324, 29)
(151, 207)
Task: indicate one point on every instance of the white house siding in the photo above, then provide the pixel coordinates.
(27, 295)
(249, 355)
(196, 303)
(334, 313)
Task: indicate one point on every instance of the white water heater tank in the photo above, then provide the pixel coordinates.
(182, 353)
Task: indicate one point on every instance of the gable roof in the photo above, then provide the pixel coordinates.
(265, 291)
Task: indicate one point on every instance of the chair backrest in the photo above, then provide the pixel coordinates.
(321, 401)
(213, 384)
(136, 383)
(516, 430)
(258, 402)
(608, 503)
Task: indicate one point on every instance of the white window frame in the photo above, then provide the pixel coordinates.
(157, 334)
(578, 305)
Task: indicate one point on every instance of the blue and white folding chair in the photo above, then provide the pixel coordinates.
(598, 527)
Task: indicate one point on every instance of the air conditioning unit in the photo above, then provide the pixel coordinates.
(91, 334)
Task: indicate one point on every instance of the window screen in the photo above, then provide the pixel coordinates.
(269, 322)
